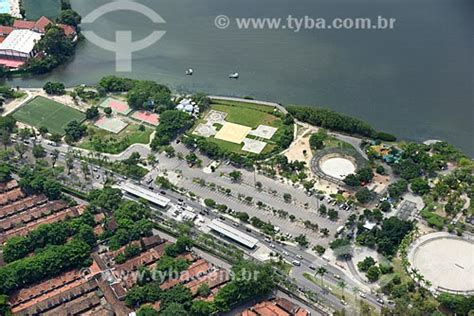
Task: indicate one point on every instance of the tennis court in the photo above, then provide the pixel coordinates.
(147, 117)
(117, 106)
(42, 111)
(111, 124)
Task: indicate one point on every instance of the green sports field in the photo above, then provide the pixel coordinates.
(48, 113)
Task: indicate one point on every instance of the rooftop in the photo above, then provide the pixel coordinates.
(233, 233)
(22, 41)
(276, 307)
(145, 194)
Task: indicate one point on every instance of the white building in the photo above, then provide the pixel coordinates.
(19, 44)
(187, 105)
(232, 233)
(143, 193)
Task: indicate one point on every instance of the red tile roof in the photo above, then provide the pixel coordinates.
(41, 24)
(5, 30)
(276, 307)
(22, 24)
(68, 29)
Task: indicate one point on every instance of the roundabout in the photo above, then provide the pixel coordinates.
(447, 261)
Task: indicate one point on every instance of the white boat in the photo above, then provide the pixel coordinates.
(189, 72)
(235, 75)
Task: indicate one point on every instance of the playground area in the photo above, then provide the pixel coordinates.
(117, 106)
(53, 115)
(447, 261)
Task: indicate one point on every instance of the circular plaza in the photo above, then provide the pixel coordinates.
(447, 261)
(334, 164)
(337, 167)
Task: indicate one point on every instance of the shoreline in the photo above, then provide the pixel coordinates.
(280, 107)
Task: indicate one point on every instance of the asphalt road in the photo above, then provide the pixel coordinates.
(289, 252)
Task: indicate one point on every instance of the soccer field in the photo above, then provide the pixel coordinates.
(48, 113)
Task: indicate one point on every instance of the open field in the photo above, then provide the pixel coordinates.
(106, 142)
(250, 115)
(244, 115)
(45, 112)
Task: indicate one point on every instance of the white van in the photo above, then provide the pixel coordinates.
(296, 263)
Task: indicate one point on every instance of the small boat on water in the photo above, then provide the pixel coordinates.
(235, 75)
(189, 72)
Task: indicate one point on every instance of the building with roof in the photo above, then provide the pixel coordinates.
(19, 45)
(232, 233)
(143, 193)
(276, 307)
(187, 105)
(17, 42)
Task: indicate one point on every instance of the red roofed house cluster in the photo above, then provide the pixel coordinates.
(276, 307)
(17, 42)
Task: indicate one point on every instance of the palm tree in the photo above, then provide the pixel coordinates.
(416, 232)
(54, 156)
(69, 162)
(20, 149)
(342, 285)
(355, 291)
(321, 271)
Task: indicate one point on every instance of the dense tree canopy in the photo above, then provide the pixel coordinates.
(388, 237)
(39, 180)
(49, 262)
(5, 172)
(69, 17)
(116, 84)
(74, 131)
(398, 188)
(47, 234)
(92, 113)
(244, 286)
(54, 88)
(55, 48)
(171, 123)
(331, 120)
(150, 95)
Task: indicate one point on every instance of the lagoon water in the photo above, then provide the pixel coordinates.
(415, 81)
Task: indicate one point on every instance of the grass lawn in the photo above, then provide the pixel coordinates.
(106, 142)
(258, 107)
(248, 115)
(48, 113)
(332, 142)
